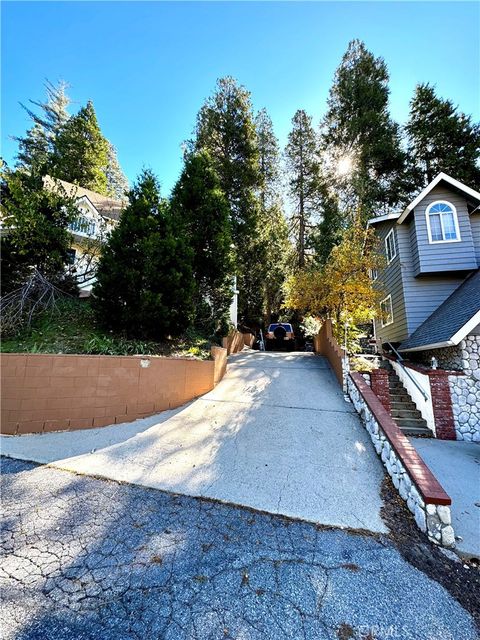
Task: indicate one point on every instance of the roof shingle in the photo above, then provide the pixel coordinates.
(449, 317)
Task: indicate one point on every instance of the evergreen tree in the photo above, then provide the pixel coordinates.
(117, 183)
(269, 159)
(225, 128)
(35, 147)
(81, 152)
(37, 236)
(303, 169)
(144, 280)
(202, 212)
(361, 144)
(329, 232)
(277, 249)
(441, 138)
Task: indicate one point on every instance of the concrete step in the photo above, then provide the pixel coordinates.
(411, 422)
(398, 392)
(397, 399)
(402, 404)
(395, 385)
(417, 431)
(408, 412)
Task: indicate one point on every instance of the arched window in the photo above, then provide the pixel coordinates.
(442, 222)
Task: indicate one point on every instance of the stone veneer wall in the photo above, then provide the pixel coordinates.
(465, 391)
(416, 484)
(447, 358)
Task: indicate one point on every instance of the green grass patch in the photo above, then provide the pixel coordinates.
(71, 328)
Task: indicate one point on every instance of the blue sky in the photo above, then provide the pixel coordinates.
(148, 66)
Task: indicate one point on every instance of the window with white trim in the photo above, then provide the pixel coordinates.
(83, 225)
(386, 311)
(390, 247)
(442, 222)
(373, 274)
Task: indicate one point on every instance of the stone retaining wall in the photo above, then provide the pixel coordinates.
(465, 391)
(43, 392)
(414, 481)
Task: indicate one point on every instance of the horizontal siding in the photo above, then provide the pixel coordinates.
(390, 280)
(448, 256)
(414, 246)
(475, 226)
(423, 295)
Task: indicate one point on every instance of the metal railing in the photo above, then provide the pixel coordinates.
(404, 368)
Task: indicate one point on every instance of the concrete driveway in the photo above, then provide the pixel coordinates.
(276, 435)
(457, 467)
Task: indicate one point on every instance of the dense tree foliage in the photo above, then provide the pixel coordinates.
(37, 145)
(361, 144)
(201, 212)
(117, 183)
(342, 289)
(226, 129)
(303, 168)
(36, 234)
(277, 259)
(168, 264)
(144, 283)
(441, 138)
(72, 148)
(80, 154)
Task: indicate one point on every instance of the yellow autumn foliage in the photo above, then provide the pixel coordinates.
(343, 289)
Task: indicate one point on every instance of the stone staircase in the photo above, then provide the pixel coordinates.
(402, 408)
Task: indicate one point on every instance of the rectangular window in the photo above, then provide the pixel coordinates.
(436, 227)
(386, 311)
(390, 248)
(373, 274)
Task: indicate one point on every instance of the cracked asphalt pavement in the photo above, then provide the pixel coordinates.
(86, 558)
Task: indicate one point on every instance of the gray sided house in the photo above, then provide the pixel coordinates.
(431, 249)
(431, 288)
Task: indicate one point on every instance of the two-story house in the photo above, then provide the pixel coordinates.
(430, 312)
(432, 249)
(97, 216)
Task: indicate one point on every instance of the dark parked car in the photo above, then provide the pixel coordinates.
(280, 335)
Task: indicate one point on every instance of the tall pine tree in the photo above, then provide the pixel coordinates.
(303, 168)
(274, 228)
(203, 215)
(441, 138)
(225, 128)
(117, 183)
(81, 152)
(144, 279)
(36, 147)
(361, 145)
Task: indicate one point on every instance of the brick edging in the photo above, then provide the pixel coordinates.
(429, 487)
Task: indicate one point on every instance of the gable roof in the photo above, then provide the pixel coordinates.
(442, 177)
(385, 218)
(105, 205)
(451, 321)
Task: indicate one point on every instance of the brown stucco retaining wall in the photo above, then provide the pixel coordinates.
(235, 341)
(325, 344)
(42, 392)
